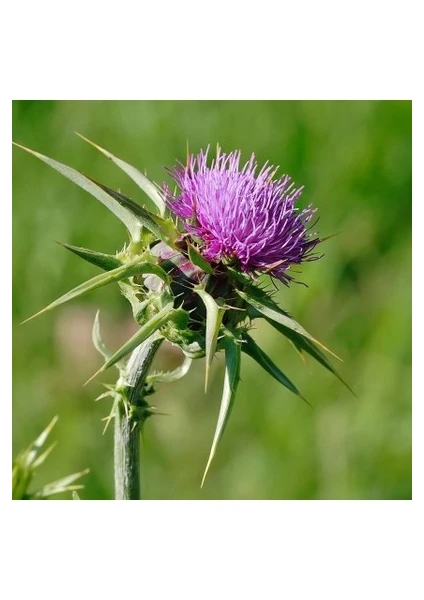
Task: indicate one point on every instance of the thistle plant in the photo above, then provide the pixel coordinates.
(192, 271)
(27, 462)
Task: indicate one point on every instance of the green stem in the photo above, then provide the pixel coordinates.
(129, 419)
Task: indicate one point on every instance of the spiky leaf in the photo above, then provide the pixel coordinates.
(32, 452)
(137, 266)
(59, 486)
(27, 462)
(254, 351)
(197, 259)
(162, 228)
(128, 217)
(231, 380)
(143, 182)
(214, 314)
(268, 308)
(171, 376)
(107, 262)
(303, 344)
(153, 325)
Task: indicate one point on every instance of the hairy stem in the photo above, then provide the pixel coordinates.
(129, 419)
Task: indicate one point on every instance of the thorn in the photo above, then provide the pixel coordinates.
(308, 403)
(153, 411)
(328, 237)
(206, 472)
(206, 377)
(93, 376)
(36, 315)
(93, 144)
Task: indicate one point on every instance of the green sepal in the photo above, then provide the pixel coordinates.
(197, 259)
(250, 347)
(269, 309)
(143, 182)
(303, 344)
(149, 328)
(123, 212)
(231, 380)
(162, 228)
(137, 266)
(214, 314)
(107, 262)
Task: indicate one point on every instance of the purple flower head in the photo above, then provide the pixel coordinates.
(238, 216)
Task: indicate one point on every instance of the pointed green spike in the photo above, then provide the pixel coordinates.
(43, 456)
(231, 380)
(135, 267)
(104, 395)
(143, 182)
(128, 217)
(162, 228)
(32, 452)
(155, 323)
(214, 314)
(254, 351)
(107, 262)
(310, 348)
(111, 415)
(269, 309)
(197, 259)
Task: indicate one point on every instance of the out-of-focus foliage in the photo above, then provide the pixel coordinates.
(354, 159)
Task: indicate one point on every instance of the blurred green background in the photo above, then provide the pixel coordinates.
(354, 159)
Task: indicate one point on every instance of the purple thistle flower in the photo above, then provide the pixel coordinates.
(237, 215)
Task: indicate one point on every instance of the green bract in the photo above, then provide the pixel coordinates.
(177, 295)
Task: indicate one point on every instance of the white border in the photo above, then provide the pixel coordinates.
(225, 50)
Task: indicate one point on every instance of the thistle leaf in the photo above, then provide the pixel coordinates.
(162, 228)
(254, 351)
(162, 317)
(136, 267)
(143, 182)
(269, 309)
(107, 262)
(171, 376)
(305, 345)
(197, 259)
(231, 380)
(128, 217)
(214, 314)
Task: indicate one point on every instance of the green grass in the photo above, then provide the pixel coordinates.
(354, 159)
